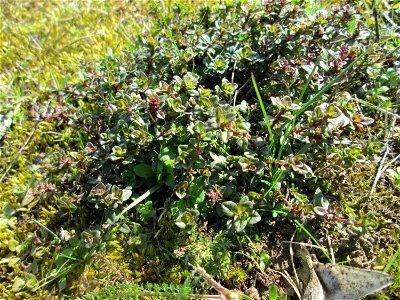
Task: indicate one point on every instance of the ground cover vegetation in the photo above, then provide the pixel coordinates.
(207, 141)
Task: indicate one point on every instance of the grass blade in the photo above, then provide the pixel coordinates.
(330, 84)
(271, 135)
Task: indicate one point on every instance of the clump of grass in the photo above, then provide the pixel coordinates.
(46, 41)
(43, 46)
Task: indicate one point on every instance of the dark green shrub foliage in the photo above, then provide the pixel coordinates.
(180, 109)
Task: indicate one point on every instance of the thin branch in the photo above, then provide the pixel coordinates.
(379, 172)
(227, 294)
(382, 168)
(375, 14)
(292, 261)
(377, 108)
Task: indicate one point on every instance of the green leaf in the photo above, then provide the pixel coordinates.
(168, 153)
(99, 190)
(62, 282)
(230, 208)
(240, 224)
(19, 284)
(264, 259)
(116, 193)
(180, 189)
(74, 242)
(169, 171)
(126, 194)
(12, 244)
(187, 220)
(245, 203)
(176, 104)
(144, 170)
(273, 292)
(190, 80)
(254, 218)
(117, 153)
(228, 89)
(180, 224)
(124, 228)
(320, 200)
(29, 200)
(31, 281)
(247, 164)
(146, 210)
(13, 260)
(332, 111)
(8, 211)
(111, 217)
(218, 160)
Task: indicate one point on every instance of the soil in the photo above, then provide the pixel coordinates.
(364, 251)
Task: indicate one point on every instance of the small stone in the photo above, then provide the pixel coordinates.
(252, 293)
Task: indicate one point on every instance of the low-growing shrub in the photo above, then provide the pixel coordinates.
(180, 110)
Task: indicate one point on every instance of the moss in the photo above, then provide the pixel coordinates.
(237, 277)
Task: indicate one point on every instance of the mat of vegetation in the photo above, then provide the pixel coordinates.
(217, 134)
